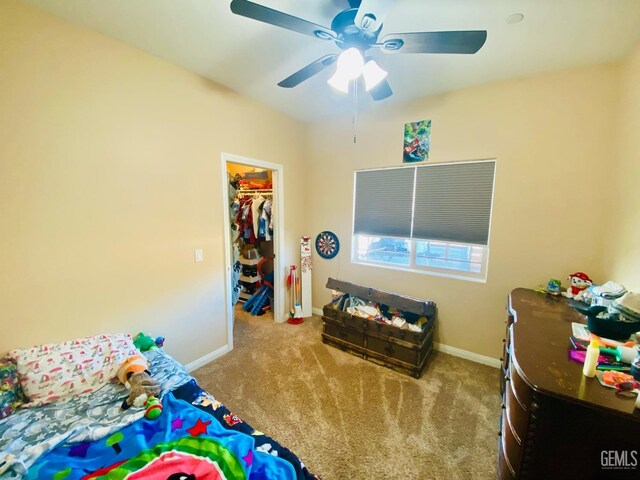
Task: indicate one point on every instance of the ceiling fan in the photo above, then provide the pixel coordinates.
(355, 30)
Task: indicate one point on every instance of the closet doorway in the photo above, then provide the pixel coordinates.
(253, 213)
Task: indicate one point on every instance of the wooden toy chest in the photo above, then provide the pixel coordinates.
(402, 350)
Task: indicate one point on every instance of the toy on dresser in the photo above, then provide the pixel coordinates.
(580, 281)
(553, 287)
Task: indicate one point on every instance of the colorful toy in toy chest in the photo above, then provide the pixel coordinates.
(580, 281)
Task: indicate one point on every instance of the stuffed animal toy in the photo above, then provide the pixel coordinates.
(133, 364)
(134, 375)
(580, 281)
(144, 342)
(141, 388)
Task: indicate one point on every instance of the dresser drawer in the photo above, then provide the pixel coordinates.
(512, 449)
(504, 469)
(518, 418)
(506, 352)
(507, 344)
(521, 390)
(344, 334)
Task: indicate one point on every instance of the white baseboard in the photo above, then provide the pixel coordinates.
(317, 311)
(467, 355)
(210, 357)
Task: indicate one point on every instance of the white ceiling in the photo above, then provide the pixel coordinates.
(251, 57)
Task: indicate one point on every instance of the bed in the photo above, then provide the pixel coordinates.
(91, 437)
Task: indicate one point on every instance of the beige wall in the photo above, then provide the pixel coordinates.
(110, 178)
(623, 232)
(552, 136)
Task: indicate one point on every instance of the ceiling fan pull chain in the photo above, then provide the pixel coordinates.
(355, 109)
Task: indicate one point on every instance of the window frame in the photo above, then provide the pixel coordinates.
(479, 277)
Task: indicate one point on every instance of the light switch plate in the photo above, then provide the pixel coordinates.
(198, 255)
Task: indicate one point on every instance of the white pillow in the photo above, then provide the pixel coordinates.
(59, 371)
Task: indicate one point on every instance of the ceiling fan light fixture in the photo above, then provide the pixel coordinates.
(339, 82)
(373, 74)
(350, 63)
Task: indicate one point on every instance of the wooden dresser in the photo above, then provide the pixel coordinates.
(555, 422)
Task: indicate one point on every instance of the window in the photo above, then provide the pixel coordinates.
(394, 251)
(430, 219)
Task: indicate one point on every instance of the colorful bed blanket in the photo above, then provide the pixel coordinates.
(184, 443)
(31, 432)
(192, 393)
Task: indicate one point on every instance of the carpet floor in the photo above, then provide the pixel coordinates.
(347, 418)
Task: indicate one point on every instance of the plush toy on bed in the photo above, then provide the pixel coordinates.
(144, 342)
(134, 375)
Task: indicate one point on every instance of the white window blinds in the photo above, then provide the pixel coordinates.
(449, 202)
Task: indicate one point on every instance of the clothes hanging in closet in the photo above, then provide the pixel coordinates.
(266, 220)
(254, 218)
(256, 205)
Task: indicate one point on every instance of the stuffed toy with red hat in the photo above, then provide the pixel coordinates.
(580, 281)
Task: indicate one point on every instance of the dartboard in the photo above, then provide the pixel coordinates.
(327, 244)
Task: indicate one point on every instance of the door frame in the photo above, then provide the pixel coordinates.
(278, 236)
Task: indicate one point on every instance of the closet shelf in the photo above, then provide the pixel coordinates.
(244, 278)
(249, 261)
(264, 191)
(254, 190)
